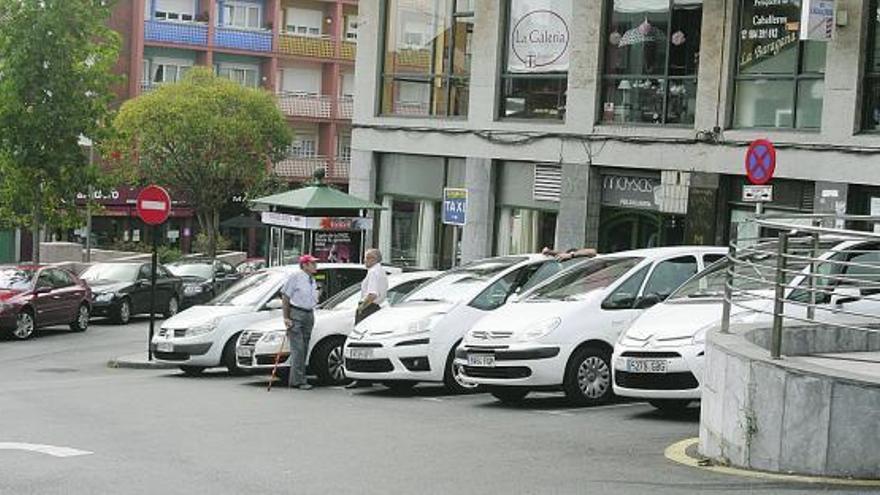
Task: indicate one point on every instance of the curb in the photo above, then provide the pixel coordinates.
(681, 453)
(138, 362)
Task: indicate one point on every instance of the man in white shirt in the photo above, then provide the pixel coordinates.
(374, 288)
(299, 297)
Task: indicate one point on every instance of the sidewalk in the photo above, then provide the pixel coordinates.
(138, 361)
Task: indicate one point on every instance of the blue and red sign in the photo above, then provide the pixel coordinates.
(760, 161)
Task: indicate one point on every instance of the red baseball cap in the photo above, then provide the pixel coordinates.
(306, 259)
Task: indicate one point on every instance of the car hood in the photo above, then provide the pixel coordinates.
(392, 318)
(198, 315)
(513, 319)
(7, 294)
(99, 286)
(192, 280)
(685, 318)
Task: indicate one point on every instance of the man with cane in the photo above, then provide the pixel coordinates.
(374, 288)
(299, 297)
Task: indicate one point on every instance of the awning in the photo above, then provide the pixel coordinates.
(314, 198)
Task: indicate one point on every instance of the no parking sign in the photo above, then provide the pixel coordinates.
(760, 161)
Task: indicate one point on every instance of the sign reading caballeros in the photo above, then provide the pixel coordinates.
(768, 28)
(539, 37)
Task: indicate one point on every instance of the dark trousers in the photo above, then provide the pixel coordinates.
(299, 335)
(362, 315)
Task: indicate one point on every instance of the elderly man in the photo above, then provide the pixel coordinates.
(374, 288)
(299, 297)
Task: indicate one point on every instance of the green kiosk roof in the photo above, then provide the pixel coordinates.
(315, 198)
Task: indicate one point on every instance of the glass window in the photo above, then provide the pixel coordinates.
(871, 118)
(651, 58)
(400, 291)
(428, 46)
(111, 272)
(779, 79)
(460, 284)
(626, 294)
(242, 75)
(61, 279)
(534, 78)
(405, 217)
(577, 283)
(241, 15)
(494, 296)
(668, 275)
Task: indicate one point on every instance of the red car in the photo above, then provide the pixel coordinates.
(32, 297)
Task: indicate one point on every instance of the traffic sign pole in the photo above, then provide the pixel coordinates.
(153, 289)
(154, 207)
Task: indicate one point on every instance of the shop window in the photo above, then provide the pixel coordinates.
(871, 118)
(427, 60)
(405, 216)
(780, 80)
(651, 60)
(241, 15)
(534, 78)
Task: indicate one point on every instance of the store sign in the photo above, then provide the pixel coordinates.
(315, 223)
(336, 247)
(539, 36)
(627, 191)
(768, 28)
(817, 20)
(454, 206)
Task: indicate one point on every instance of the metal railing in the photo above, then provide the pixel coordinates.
(798, 271)
(315, 106)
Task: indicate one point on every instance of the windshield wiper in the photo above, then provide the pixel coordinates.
(426, 299)
(697, 295)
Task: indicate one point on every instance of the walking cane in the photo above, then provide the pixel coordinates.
(277, 358)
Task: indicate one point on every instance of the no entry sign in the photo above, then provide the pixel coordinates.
(153, 205)
(760, 161)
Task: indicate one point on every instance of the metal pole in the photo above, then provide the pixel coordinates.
(779, 300)
(153, 289)
(728, 282)
(814, 253)
(89, 209)
(455, 246)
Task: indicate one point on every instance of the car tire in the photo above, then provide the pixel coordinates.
(192, 370)
(81, 321)
(228, 358)
(588, 377)
(452, 377)
(25, 325)
(399, 386)
(509, 395)
(326, 362)
(670, 406)
(172, 308)
(122, 312)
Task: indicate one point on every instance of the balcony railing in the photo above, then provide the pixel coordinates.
(345, 107)
(185, 33)
(296, 168)
(315, 106)
(306, 46)
(243, 39)
(348, 50)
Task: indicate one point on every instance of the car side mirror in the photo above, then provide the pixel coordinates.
(647, 301)
(844, 295)
(42, 290)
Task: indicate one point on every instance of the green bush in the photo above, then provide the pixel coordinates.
(168, 254)
(200, 244)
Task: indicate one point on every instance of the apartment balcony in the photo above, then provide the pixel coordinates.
(315, 106)
(147, 86)
(251, 40)
(178, 33)
(306, 46)
(300, 168)
(348, 50)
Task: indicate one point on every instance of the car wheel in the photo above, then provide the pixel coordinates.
(173, 306)
(24, 325)
(670, 406)
(228, 358)
(453, 379)
(192, 370)
(122, 315)
(327, 363)
(509, 395)
(81, 323)
(399, 387)
(588, 377)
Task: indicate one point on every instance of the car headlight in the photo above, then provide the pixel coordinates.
(541, 329)
(272, 338)
(192, 290)
(700, 337)
(422, 325)
(202, 329)
(104, 297)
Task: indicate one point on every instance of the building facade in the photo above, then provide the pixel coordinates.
(610, 123)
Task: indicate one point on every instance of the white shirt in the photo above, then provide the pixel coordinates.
(302, 290)
(376, 283)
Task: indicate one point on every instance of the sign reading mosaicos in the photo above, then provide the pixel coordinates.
(767, 28)
(539, 36)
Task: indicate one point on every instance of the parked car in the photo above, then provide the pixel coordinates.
(560, 335)
(33, 297)
(204, 336)
(122, 290)
(251, 265)
(259, 345)
(203, 279)
(413, 341)
(660, 357)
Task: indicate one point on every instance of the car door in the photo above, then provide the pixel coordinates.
(166, 287)
(621, 307)
(140, 291)
(338, 279)
(69, 293)
(224, 276)
(851, 293)
(47, 304)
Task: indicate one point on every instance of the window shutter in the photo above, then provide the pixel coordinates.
(548, 183)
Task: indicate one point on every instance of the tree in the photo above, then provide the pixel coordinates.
(56, 79)
(205, 138)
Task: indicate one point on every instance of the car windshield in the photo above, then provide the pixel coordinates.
(201, 270)
(461, 284)
(346, 299)
(753, 273)
(252, 290)
(16, 279)
(576, 283)
(115, 272)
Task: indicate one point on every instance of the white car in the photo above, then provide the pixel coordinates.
(260, 343)
(414, 340)
(661, 356)
(204, 336)
(560, 335)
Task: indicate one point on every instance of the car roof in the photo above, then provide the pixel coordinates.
(669, 251)
(400, 278)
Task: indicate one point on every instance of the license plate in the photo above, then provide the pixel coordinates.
(647, 365)
(484, 360)
(356, 353)
(165, 346)
(244, 352)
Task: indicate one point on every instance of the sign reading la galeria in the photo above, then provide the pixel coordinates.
(539, 36)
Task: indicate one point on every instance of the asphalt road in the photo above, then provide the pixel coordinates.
(158, 432)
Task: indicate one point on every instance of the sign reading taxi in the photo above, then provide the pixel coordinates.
(455, 206)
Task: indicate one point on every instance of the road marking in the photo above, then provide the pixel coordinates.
(677, 452)
(432, 399)
(52, 450)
